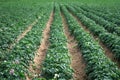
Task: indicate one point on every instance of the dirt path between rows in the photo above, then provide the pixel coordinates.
(22, 35)
(108, 52)
(41, 52)
(77, 61)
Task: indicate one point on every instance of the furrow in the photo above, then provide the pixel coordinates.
(41, 52)
(77, 61)
(22, 35)
(108, 52)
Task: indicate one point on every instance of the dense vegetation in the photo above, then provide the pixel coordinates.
(100, 17)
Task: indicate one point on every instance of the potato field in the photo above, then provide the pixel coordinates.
(59, 40)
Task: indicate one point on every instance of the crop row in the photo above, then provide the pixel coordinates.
(113, 13)
(16, 64)
(110, 40)
(57, 62)
(109, 26)
(105, 16)
(98, 66)
(13, 21)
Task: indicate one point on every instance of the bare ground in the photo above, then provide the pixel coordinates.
(22, 35)
(41, 52)
(108, 52)
(77, 61)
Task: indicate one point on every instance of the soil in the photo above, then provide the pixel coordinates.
(109, 54)
(77, 61)
(41, 52)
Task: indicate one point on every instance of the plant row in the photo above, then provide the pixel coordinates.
(110, 40)
(57, 62)
(98, 66)
(105, 16)
(110, 27)
(16, 62)
(12, 32)
(113, 13)
(14, 20)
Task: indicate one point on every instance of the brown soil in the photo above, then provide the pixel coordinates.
(108, 52)
(41, 52)
(77, 61)
(22, 35)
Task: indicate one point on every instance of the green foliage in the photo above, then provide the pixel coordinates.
(110, 40)
(109, 26)
(98, 67)
(57, 62)
(24, 50)
(14, 20)
(16, 15)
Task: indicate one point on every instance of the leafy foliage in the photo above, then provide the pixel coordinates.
(24, 51)
(110, 40)
(109, 26)
(57, 62)
(99, 67)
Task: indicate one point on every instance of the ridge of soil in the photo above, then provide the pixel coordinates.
(34, 68)
(77, 61)
(107, 52)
